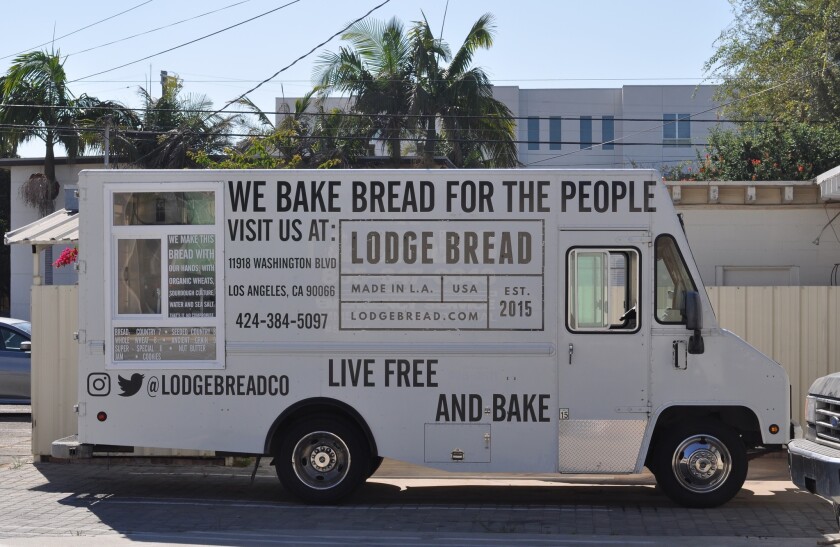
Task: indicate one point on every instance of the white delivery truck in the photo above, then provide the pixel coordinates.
(469, 320)
(815, 458)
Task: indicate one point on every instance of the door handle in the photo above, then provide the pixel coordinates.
(571, 351)
(680, 354)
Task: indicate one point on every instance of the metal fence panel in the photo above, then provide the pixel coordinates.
(799, 327)
(55, 376)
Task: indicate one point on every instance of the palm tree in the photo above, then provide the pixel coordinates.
(169, 129)
(459, 100)
(402, 81)
(306, 136)
(378, 74)
(39, 105)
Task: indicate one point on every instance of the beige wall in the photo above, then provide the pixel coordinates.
(55, 376)
(799, 327)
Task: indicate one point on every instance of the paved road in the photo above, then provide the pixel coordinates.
(15, 435)
(112, 502)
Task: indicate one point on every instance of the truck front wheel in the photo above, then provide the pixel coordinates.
(701, 464)
(322, 460)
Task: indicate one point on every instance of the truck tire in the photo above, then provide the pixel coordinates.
(322, 460)
(700, 464)
(374, 465)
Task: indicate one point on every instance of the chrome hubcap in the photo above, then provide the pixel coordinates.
(321, 460)
(702, 463)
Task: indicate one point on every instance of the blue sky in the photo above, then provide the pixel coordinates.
(538, 44)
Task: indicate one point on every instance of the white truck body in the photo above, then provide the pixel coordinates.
(470, 320)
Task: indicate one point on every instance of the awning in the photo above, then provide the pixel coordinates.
(830, 184)
(54, 229)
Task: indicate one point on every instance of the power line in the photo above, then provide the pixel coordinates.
(187, 43)
(79, 30)
(305, 55)
(587, 146)
(157, 29)
(563, 117)
(221, 79)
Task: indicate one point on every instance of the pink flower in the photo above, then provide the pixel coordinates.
(68, 256)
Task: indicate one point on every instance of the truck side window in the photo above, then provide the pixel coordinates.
(603, 289)
(138, 268)
(165, 257)
(672, 280)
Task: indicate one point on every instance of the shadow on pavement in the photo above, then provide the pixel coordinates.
(154, 499)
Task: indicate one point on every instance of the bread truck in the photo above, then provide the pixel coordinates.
(814, 458)
(467, 320)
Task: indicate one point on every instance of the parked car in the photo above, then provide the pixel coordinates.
(15, 361)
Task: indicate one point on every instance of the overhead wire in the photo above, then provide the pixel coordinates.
(8, 128)
(222, 79)
(563, 117)
(150, 31)
(618, 141)
(305, 55)
(141, 4)
(179, 46)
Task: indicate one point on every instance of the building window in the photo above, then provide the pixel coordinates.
(554, 138)
(533, 133)
(585, 132)
(676, 129)
(608, 132)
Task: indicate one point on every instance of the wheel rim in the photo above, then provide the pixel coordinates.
(702, 463)
(321, 460)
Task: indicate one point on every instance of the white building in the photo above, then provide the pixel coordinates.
(652, 126)
(21, 256)
(655, 126)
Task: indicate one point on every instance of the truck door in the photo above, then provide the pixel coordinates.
(604, 349)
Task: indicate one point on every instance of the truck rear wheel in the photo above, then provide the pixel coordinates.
(700, 464)
(322, 460)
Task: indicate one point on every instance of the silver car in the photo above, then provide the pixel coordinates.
(15, 361)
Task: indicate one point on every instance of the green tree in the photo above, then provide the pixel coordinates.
(170, 130)
(377, 72)
(780, 59)
(459, 98)
(307, 136)
(765, 151)
(38, 104)
(414, 88)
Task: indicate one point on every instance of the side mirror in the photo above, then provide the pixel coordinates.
(26, 346)
(693, 310)
(694, 321)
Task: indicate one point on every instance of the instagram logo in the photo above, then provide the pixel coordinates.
(98, 384)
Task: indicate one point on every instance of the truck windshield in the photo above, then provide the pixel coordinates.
(672, 280)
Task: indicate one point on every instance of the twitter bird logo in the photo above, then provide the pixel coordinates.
(130, 386)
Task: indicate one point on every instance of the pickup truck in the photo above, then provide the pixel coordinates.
(815, 458)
